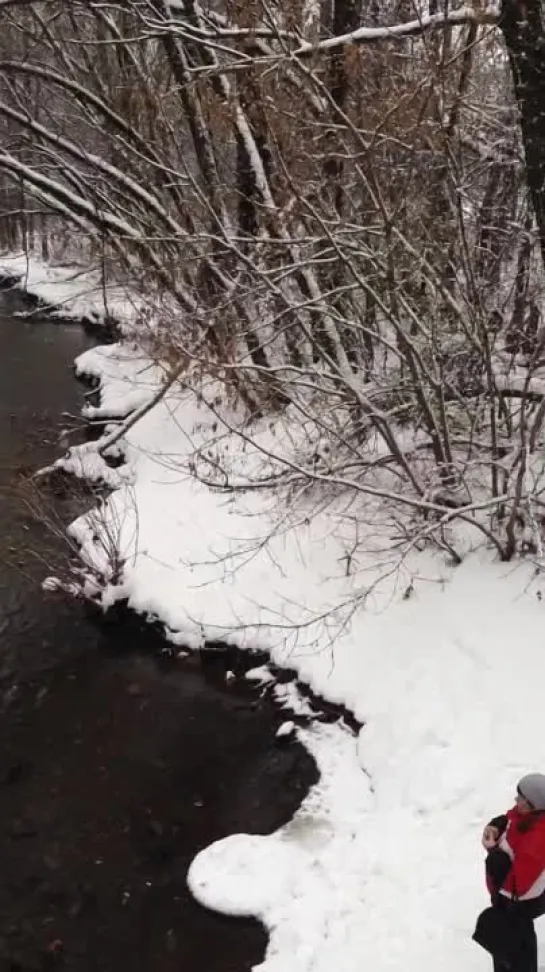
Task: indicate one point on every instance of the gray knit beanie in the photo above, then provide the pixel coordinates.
(532, 788)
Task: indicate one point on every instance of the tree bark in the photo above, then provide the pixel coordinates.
(522, 23)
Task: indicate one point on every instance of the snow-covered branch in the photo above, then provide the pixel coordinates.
(412, 28)
(362, 35)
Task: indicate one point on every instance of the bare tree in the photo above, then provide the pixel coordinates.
(334, 217)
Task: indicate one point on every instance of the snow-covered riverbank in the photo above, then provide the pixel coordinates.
(381, 867)
(70, 290)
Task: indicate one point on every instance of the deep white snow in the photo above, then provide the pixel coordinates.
(381, 868)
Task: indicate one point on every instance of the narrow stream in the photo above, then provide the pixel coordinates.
(116, 766)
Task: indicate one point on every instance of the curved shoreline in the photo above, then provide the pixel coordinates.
(118, 763)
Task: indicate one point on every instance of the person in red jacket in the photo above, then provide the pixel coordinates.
(515, 870)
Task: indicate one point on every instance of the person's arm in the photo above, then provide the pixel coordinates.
(498, 865)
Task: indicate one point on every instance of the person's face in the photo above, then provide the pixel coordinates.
(522, 804)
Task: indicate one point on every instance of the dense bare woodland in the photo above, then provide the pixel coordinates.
(337, 210)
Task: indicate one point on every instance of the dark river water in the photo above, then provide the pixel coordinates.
(116, 764)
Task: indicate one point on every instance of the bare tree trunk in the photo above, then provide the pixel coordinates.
(523, 27)
(345, 18)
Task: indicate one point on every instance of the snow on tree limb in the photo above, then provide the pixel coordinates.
(363, 35)
(84, 213)
(176, 23)
(99, 164)
(413, 28)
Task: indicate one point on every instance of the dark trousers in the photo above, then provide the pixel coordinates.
(525, 947)
(525, 952)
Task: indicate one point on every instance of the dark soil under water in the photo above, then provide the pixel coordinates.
(116, 764)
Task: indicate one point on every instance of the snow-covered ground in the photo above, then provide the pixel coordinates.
(381, 868)
(70, 290)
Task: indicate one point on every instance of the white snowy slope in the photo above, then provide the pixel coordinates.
(381, 868)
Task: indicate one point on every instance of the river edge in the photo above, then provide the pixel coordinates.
(223, 670)
(226, 656)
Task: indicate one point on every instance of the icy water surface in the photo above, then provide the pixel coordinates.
(116, 765)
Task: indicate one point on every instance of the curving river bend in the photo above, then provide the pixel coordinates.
(116, 766)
